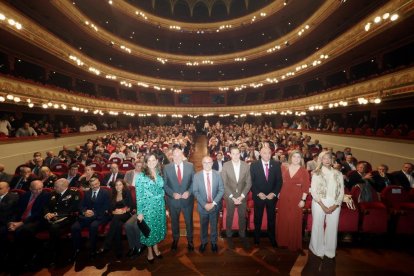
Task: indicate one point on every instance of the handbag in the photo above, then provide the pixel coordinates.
(143, 226)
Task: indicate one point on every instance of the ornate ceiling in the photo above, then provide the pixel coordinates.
(224, 46)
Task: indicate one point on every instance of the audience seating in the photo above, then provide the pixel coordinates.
(126, 166)
(96, 166)
(115, 160)
(61, 167)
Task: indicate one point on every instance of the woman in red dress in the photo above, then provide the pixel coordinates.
(292, 199)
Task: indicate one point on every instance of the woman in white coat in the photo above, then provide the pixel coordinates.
(327, 188)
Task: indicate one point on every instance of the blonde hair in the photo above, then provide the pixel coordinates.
(318, 169)
(302, 163)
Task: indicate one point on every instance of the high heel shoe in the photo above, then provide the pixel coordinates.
(159, 255)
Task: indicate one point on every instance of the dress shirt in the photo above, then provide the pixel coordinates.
(410, 179)
(181, 169)
(236, 167)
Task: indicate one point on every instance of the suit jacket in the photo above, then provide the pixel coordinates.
(216, 164)
(346, 168)
(108, 176)
(259, 182)
(51, 161)
(199, 190)
(64, 205)
(101, 206)
(37, 209)
(401, 180)
(233, 187)
(129, 177)
(4, 177)
(25, 184)
(74, 182)
(8, 208)
(171, 185)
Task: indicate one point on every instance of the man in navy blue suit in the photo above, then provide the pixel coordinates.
(266, 185)
(29, 219)
(95, 209)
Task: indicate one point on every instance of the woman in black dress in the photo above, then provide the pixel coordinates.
(122, 208)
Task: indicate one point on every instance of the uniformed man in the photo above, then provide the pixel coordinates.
(60, 213)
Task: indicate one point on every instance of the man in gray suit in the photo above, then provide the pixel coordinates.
(208, 189)
(178, 185)
(129, 176)
(237, 184)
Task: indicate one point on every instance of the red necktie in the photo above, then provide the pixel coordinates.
(209, 196)
(179, 174)
(28, 208)
(267, 171)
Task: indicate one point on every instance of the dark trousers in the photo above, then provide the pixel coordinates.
(25, 239)
(4, 248)
(175, 221)
(56, 230)
(205, 220)
(133, 233)
(92, 224)
(259, 206)
(115, 232)
(241, 211)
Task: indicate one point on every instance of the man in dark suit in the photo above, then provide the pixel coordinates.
(8, 208)
(60, 213)
(237, 184)
(348, 165)
(29, 219)
(23, 180)
(243, 152)
(266, 184)
(95, 208)
(4, 177)
(114, 174)
(405, 177)
(51, 160)
(178, 185)
(359, 176)
(218, 163)
(208, 189)
(72, 176)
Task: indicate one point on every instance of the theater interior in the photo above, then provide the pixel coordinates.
(339, 71)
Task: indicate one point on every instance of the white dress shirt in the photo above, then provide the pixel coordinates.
(236, 167)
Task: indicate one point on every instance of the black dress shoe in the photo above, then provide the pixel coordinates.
(102, 251)
(74, 256)
(190, 246)
(174, 245)
(202, 247)
(214, 247)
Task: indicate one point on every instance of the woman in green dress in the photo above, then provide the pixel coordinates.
(151, 205)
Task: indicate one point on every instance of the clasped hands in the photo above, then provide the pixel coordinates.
(328, 210)
(14, 225)
(185, 195)
(88, 213)
(262, 196)
(209, 206)
(50, 216)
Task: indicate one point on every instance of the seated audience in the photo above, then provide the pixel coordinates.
(117, 154)
(121, 210)
(8, 208)
(25, 131)
(95, 208)
(29, 220)
(72, 176)
(51, 160)
(23, 180)
(47, 177)
(405, 177)
(381, 178)
(60, 214)
(114, 174)
(312, 164)
(130, 176)
(349, 164)
(358, 176)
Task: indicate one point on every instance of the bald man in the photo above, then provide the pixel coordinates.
(60, 214)
(29, 220)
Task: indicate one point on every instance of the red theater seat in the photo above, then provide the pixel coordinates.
(126, 166)
(61, 167)
(348, 220)
(115, 160)
(235, 225)
(405, 218)
(96, 166)
(393, 195)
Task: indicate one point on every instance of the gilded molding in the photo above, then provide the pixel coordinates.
(38, 36)
(398, 83)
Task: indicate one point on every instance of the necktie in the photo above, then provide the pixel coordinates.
(267, 171)
(94, 196)
(28, 210)
(209, 196)
(179, 177)
(19, 184)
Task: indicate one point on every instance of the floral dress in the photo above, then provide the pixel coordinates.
(150, 203)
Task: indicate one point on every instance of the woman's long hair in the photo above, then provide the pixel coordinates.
(320, 165)
(124, 189)
(146, 169)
